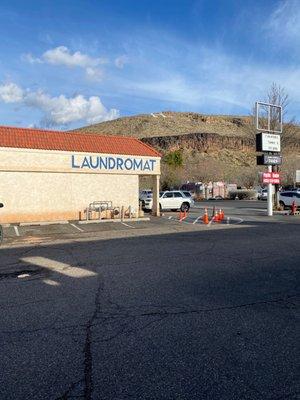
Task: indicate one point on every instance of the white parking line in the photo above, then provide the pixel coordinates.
(197, 219)
(17, 230)
(177, 220)
(254, 209)
(129, 226)
(239, 220)
(77, 227)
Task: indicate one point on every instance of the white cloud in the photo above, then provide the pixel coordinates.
(215, 81)
(59, 110)
(11, 93)
(94, 74)
(61, 55)
(121, 61)
(190, 75)
(31, 59)
(284, 23)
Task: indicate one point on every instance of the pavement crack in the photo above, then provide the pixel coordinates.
(68, 393)
(126, 314)
(123, 330)
(88, 355)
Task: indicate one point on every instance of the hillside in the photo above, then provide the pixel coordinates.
(213, 147)
(172, 123)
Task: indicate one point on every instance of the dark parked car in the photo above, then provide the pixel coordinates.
(187, 193)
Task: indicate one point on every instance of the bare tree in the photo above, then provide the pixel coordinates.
(277, 95)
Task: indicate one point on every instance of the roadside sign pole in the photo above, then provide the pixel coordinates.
(270, 195)
(268, 141)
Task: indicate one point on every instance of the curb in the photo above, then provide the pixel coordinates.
(43, 223)
(112, 220)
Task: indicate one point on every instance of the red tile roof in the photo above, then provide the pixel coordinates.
(26, 138)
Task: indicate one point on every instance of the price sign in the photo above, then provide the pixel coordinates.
(271, 177)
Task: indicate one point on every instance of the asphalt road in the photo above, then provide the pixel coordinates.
(178, 314)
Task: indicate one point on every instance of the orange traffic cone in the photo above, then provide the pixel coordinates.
(217, 217)
(221, 215)
(182, 215)
(205, 217)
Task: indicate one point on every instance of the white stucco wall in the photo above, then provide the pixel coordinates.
(37, 185)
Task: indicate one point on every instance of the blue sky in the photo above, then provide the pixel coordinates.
(67, 64)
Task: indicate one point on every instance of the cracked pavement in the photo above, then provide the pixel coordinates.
(189, 314)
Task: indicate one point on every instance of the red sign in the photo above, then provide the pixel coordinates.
(271, 177)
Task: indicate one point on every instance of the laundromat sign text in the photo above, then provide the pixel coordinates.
(112, 163)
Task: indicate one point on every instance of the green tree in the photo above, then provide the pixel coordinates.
(172, 169)
(174, 158)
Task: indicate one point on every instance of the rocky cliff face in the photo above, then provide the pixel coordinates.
(202, 142)
(171, 130)
(214, 147)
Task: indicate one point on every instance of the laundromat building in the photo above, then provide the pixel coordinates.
(54, 176)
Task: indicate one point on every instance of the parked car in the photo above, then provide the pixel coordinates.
(287, 197)
(290, 188)
(171, 200)
(145, 194)
(187, 193)
(263, 194)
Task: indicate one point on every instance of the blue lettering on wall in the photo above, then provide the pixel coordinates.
(137, 164)
(128, 163)
(110, 163)
(95, 164)
(120, 163)
(85, 163)
(73, 163)
(147, 166)
(152, 164)
(103, 162)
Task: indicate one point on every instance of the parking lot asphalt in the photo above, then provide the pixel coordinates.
(159, 310)
(236, 212)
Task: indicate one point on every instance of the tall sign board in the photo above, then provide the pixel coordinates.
(268, 117)
(268, 142)
(268, 123)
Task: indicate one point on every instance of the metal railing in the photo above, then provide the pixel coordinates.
(100, 207)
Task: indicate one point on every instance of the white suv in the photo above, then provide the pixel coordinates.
(144, 194)
(287, 197)
(171, 200)
(262, 194)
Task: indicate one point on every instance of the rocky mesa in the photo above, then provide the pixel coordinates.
(212, 146)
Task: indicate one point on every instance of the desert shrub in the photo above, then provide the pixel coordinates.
(174, 158)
